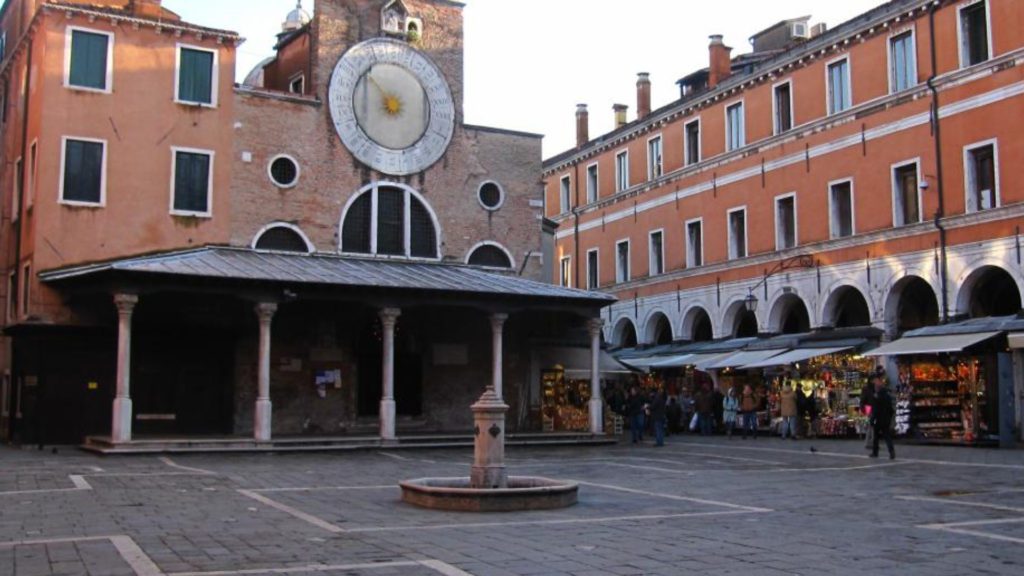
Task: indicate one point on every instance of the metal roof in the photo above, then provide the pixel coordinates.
(229, 263)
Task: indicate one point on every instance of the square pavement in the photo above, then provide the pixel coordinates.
(697, 505)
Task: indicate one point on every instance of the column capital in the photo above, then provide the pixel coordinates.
(265, 311)
(594, 326)
(125, 302)
(388, 316)
(498, 320)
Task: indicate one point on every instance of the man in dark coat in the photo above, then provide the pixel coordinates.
(658, 411)
(635, 413)
(674, 413)
(882, 412)
(705, 410)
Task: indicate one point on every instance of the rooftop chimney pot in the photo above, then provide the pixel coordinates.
(643, 95)
(719, 61)
(582, 125)
(620, 114)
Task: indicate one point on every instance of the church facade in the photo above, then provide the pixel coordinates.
(325, 248)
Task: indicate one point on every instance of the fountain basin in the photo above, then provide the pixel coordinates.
(522, 493)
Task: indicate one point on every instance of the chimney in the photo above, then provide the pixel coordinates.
(720, 64)
(146, 8)
(643, 95)
(620, 114)
(582, 125)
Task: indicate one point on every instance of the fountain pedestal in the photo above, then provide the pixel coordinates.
(488, 470)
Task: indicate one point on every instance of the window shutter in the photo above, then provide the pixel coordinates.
(191, 182)
(88, 60)
(195, 81)
(83, 171)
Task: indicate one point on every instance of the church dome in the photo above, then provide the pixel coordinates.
(296, 19)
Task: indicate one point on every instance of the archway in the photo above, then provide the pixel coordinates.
(911, 304)
(697, 325)
(738, 322)
(658, 329)
(789, 315)
(989, 291)
(846, 307)
(624, 334)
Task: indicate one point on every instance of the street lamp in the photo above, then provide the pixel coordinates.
(801, 261)
(750, 302)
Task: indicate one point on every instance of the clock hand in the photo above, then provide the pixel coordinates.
(392, 104)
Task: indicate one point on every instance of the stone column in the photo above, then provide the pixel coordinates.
(388, 318)
(121, 427)
(488, 469)
(262, 422)
(497, 327)
(596, 402)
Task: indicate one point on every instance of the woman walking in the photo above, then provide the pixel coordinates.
(730, 406)
(748, 409)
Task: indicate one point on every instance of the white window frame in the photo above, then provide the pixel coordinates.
(892, 63)
(896, 206)
(565, 271)
(796, 224)
(33, 171)
(660, 160)
(833, 221)
(309, 245)
(623, 276)
(961, 48)
(733, 255)
(209, 185)
(690, 252)
(564, 194)
(597, 269)
(68, 34)
(650, 252)
(16, 185)
(103, 173)
(410, 193)
(969, 174)
(214, 80)
(593, 195)
(300, 77)
(828, 84)
(622, 171)
(775, 107)
(743, 125)
(686, 142)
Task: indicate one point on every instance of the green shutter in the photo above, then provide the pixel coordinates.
(83, 171)
(88, 60)
(191, 182)
(195, 76)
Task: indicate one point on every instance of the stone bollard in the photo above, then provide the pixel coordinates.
(488, 469)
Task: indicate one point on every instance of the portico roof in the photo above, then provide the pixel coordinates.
(218, 263)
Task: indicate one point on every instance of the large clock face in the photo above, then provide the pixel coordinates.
(391, 106)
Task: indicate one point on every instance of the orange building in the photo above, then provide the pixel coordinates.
(849, 178)
(325, 248)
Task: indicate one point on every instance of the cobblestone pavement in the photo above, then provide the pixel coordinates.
(695, 506)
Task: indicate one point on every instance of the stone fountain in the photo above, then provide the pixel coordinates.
(489, 488)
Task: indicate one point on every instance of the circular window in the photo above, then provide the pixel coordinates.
(284, 171)
(490, 195)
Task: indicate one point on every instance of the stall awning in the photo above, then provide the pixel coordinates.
(797, 355)
(676, 361)
(642, 362)
(743, 357)
(1015, 340)
(931, 344)
(703, 361)
(576, 361)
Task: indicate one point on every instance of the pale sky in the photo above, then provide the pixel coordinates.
(529, 62)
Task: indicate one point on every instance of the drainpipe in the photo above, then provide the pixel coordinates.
(576, 224)
(937, 139)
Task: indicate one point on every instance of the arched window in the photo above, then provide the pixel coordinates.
(389, 221)
(490, 255)
(282, 238)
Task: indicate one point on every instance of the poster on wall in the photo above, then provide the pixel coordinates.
(327, 379)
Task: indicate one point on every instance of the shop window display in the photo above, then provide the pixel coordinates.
(833, 385)
(948, 398)
(565, 402)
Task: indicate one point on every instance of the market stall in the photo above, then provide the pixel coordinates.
(565, 386)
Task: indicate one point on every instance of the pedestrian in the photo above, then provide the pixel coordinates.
(719, 409)
(688, 406)
(749, 402)
(658, 413)
(867, 398)
(705, 410)
(674, 416)
(635, 413)
(882, 412)
(730, 406)
(788, 401)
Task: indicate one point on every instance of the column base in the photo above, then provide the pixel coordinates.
(596, 416)
(261, 430)
(387, 419)
(121, 427)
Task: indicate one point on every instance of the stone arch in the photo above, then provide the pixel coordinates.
(282, 237)
(988, 290)
(624, 334)
(359, 209)
(658, 328)
(737, 321)
(911, 303)
(789, 314)
(697, 325)
(845, 306)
